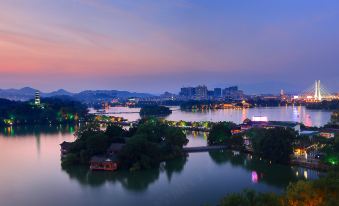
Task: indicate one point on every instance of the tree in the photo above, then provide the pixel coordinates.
(303, 193)
(236, 141)
(115, 133)
(153, 142)
(324, 191)
(220, 133)
(335, 117)
(91, 140)
(273, 144)
(321, 192)
(97, 143)
(87, 129)
(251, 198)
(336, 143)
(155, 110)
(175, 137)
(148, 144)
(139, 153)
(52, 111)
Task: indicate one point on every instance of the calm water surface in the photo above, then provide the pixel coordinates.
(286, 113)
(31, 174)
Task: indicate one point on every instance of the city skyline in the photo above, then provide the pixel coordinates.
(161, 46)
(201, 91)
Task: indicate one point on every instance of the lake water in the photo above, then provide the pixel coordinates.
(285, 113)
(31, 174)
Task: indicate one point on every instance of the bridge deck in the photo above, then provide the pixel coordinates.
(204, 148)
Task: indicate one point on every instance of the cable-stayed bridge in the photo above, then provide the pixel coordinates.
(317, 92)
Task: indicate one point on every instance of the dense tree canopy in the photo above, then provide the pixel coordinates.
(335, 118)
(153, 142)
(155, 110)
(331, 151)
(251, 198)
(273, 144)
(51, 111)
(148, 144)
(195, 104)
(329, 105)
(260, 102)
(92, 140)
(220, 133)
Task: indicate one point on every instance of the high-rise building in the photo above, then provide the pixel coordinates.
(188, 92)
(232, 93)
(210, 94)
(37, 98)
(201, 92)
(217, 92)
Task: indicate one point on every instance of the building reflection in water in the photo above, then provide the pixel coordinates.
(243, 114)
(305, 173)
(138, 181)
(296, 114)
(205, 135)
(24, 131)
(255, 178)
(9, 131)
(308, 120)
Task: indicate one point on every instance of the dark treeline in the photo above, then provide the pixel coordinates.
(155, 110)
(51, 111)
(335, 117)
(259, 102)
(328, 105)
(198, 104)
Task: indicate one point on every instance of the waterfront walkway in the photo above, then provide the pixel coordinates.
(310, 163)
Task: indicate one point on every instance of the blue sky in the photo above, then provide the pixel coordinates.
(154, 46)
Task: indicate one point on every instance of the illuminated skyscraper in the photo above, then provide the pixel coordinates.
(37, 98)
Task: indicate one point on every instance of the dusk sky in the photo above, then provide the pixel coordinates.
(162, 45)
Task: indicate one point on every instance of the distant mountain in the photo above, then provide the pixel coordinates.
(60, 92)
(106, 95)
(23, 94)
(28, 93)
(27, 90)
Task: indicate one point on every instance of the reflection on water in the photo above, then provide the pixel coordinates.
(196, 138)
(38, 130)
(255, 177)
(32, 169)
(136, 181)
(284, 113)
(261, 170)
